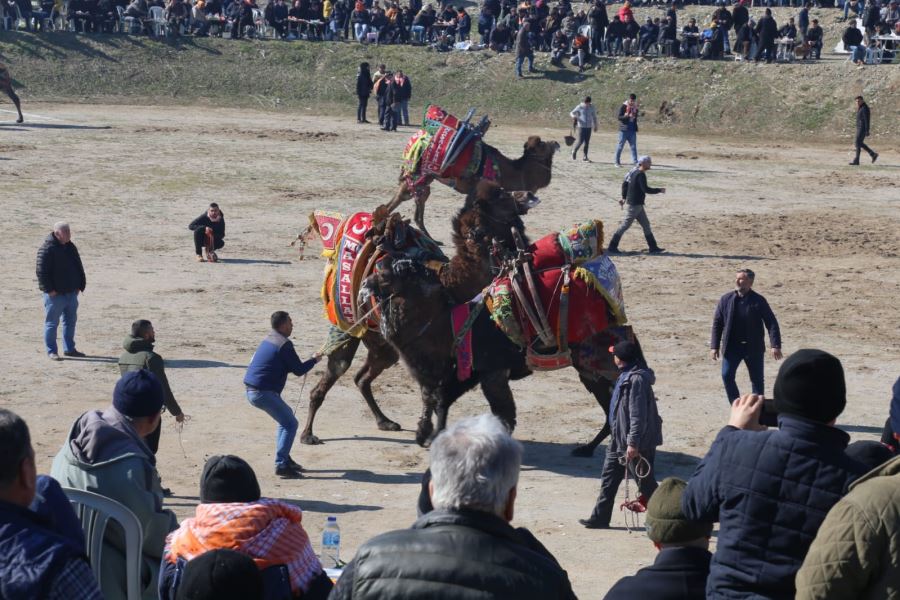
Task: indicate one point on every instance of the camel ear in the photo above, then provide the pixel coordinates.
(487, 191)
(532, 143)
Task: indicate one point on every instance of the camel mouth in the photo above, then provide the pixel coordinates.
(555, 145)
(527, 202)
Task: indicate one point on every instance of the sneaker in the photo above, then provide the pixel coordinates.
(586, 159)
(295, 465)
(75, 354)
(593, 524)
(618, 165)
(54, 356)
(874, 157)
(167, 492)
(288, 472)
(854, 163)
(657, 250)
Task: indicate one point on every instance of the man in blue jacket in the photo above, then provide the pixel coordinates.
(737, 332)
(273, 360)
(770, 490)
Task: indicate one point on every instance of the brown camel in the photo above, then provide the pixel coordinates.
(382, 355)
(6, 86)
(530, 172)
(416, 322)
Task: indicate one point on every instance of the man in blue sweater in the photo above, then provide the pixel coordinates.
(273, 360)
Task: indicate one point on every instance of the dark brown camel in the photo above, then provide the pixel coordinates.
(6, 86)
(416, 322)
(382, 355)
(530, 172)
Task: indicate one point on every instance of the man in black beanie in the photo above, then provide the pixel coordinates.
(221, 575)
(105, 453)
(771, 489)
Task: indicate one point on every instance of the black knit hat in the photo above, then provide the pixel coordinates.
(221, 575)
(870, 453)
(627, 352)
(666, 524)
(138, 394)
(228, 479)
(810, 384)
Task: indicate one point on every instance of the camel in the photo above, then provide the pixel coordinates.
(530, 172)
(416, 321)
(6, 86)
(381, 355)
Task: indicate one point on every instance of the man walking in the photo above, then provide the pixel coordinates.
(61, 278)
(738, 332)
(139, 355)
(585, 116)
(863, 118)
(628, 128)
(634, 193)
(636, 432)
(523, 49)
(273, 360)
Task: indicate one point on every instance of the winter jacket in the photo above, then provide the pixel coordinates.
(856, 553)
(852, 37)
(523, 44)
(678, 573)
(363, 84)
(138, 355)
(759, 314)
(626, 123)
(740, 16)
(104, 454)
(218, 227)
(870, 16)
(404, 90)
(599, 18)
(638, 189)
(766, 29)
(454, 555)
(273, 360)
(630, 30)
(770, 491)
(59, 267)
(633, 415)
(863, 117)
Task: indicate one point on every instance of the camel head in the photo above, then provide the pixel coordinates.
(539, 150)
(490, 213)
(536, 163)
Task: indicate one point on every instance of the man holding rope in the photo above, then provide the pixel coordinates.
(636, 432)
(273, 360)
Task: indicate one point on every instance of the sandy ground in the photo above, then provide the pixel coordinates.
(822, 237)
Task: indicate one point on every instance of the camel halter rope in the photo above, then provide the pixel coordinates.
(642, 469)
(180, 428)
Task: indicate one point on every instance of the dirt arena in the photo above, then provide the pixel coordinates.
(821, 236)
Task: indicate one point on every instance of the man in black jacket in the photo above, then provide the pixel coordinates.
(635, 190)
(61, 278)
(863, 116)
(599, 23)
(209, 233)
(767, 30)
(465, 547)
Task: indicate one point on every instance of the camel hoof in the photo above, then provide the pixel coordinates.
(20, 120)
(423, 433)
(585, 451)
(388, 425)
(310, 440)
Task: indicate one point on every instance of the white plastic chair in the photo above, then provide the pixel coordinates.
(158, 16)
(94, 511)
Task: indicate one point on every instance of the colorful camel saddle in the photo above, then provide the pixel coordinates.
(353, 256)
(561, 290)
(448, 149)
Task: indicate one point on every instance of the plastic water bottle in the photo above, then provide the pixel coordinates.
(331, 543)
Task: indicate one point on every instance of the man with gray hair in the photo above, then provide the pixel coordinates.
(466, 547)
(60, 276)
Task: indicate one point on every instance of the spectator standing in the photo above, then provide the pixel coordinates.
(139, 355)
(380, 86)
(770, 490)
(681, 567)
(61, 278)
(599, 22)
(767, 30)
(391, 102)
(737, 334)
(36, 560)
(232, 515)
(634, 194)
(803, 19)
(466, 546)
(585, 118)
(740, 16)
(636, 433)
(209, 233)
(628, 128)
(863, 121)
(524, 49)
(105, 453)
(265, 379)
(871, 16)
(404, 95)
(363, 91)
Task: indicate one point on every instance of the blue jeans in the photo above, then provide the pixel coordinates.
(731, 359)
(520, 60)
(65, 306)
(404, 111)
(631, 138)
(275, 407)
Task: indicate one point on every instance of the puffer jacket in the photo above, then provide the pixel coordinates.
(138, 355)
(856, 553)
(59, 267)
(770, 491)
(464, 555)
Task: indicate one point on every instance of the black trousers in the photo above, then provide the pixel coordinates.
(152, 440)
(861, 145)
(361, 109)
(381, 110)
(200, 241)
(767, 46)
(612, 476)
(584, 137)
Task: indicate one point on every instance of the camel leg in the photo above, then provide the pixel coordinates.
(425, 428)
(495, 387)
(602, 391)
(15, 98)
(403, 194)
(419, 217)
(338, 363)
(381, 356)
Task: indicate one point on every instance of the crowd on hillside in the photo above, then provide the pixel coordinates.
(579, 32)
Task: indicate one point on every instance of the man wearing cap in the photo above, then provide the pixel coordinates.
(636, 432)
(634, 194)
(770, 490)
(682, 564)
(105, 453)
(737, 331)
(232, 515)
